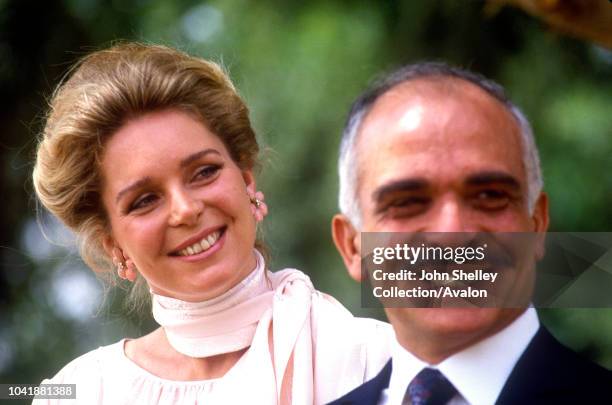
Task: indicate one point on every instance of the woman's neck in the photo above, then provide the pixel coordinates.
(224, 324)
(154, 353)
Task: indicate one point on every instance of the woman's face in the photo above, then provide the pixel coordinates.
(178, 205)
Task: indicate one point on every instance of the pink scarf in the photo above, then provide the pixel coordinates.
(228, 323)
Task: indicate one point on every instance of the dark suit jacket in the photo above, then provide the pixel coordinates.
(546, 373)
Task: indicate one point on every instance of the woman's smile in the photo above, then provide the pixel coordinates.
(206, 244)
(178, 205)
(148, 155)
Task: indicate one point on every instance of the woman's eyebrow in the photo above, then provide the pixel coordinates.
(184, 163)
(197, 155)
(137, 184)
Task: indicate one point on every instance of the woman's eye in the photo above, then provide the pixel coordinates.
(206, 172)
(143, 202)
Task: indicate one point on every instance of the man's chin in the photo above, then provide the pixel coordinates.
(463, 323)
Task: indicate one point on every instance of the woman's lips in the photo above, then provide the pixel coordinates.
(191, 254)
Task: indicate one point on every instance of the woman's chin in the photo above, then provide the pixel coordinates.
(211, 281)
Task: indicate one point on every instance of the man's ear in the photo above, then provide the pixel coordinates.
(348, 242)
(540, 223)
(540, 213)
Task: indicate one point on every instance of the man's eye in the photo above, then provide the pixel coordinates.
(143, 202)
(206, 172)
(491, 199)
(406, 206)
(408, 201)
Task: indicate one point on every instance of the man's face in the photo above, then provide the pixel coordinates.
(444, 157)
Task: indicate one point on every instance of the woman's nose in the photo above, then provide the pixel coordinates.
(185, 209)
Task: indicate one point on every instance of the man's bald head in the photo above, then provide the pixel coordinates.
(423, 78)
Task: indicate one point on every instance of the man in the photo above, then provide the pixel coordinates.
(432, 148)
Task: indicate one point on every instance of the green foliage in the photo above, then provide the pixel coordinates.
(299, 65)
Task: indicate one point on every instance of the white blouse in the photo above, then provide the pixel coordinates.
(330, 354)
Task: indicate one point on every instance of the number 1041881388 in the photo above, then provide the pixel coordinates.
(42, 391)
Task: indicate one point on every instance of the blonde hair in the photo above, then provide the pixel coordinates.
(102, 92)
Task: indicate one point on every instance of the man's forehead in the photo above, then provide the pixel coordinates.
(404, 107)
(419, 91)
(454, 119)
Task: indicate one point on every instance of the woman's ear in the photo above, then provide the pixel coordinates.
(259, 208)
(113, 251)
(109, 245)
(126, 268)
(249, 180)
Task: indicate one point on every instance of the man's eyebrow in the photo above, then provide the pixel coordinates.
(414, 184)
(484, 178)
(195, 156)
(137, 184)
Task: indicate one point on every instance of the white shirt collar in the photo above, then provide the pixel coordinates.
(478, 372)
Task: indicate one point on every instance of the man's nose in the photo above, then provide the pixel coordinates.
(185, 209)
(450, 216)
(450, 224)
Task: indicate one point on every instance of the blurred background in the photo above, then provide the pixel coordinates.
(298, 65)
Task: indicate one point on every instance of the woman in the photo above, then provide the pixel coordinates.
(148, 155)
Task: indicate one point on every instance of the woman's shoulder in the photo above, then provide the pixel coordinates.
(90, 364)
(329, 309)
(349, 350)
(328, 316)
(87, 372)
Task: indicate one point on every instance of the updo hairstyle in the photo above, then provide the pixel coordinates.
(102, 92)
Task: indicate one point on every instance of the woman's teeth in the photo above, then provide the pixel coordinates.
(200, 246)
